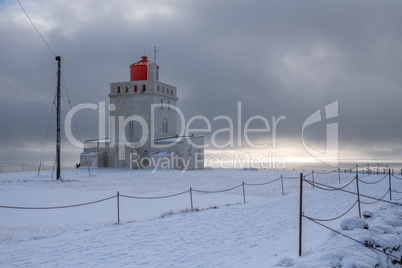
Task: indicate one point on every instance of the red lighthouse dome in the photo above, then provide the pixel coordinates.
(138, 70)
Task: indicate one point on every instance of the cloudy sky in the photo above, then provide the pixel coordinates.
(278, 58)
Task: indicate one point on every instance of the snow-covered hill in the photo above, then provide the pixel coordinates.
(222, 231)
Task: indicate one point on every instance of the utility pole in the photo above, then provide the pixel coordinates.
(58, 142)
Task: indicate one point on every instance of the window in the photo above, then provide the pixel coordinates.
(135, 88)
(118, 89)
(131, 126)
(171, 92)
(199, 155)
(168, 104)
(163, 89)
(158, 88)
(127, 89)
(122, 154)
(161, 104)
(167, 91)
(144, 87)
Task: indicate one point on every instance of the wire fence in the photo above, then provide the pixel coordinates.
(358, 202)
(118, 196)
(26, 167)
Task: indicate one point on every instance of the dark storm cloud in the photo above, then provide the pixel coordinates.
(277, 57)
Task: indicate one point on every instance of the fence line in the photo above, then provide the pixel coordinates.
(353, 239)
(60, 207)
(376, 181)
(340, 216)
(331, 188)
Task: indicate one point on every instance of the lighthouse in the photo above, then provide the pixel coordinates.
(142, 126)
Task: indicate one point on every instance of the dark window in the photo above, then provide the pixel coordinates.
(118, 89)
(135, 88)
(144, 87)
(161, 104)
(126, 88)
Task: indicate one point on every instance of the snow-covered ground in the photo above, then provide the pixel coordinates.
(221, 232)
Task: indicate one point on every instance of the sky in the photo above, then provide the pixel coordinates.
(275, 58)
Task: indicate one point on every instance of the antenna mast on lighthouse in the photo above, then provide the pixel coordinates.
(155, 50)
(58, 142)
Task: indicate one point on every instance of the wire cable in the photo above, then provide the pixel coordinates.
(36, 28)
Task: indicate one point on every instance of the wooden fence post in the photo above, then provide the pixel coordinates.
(312, 175)
(390, 188)
(358, 194)
(118, 207)
(244, 194)
(301, 214)
(191, 199)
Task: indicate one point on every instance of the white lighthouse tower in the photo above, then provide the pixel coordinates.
(142, 126)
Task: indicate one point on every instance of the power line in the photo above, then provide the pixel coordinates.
(36, 28)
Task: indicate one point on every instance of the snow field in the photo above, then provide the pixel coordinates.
(224, 232)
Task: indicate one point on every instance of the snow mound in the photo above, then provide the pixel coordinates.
(250, 169)
(353, 223)
(380, 243)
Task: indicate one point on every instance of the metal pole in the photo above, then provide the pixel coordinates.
(191, 199)
(301, 214)
(390, 188)
(244, 194)
(283, 190)
(312, 174)
(118, 207)
(58, 141)
(358, 194)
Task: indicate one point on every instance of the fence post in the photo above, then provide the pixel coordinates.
(339, 175)
(244, 194)
(191, 199)
(390, 188)
(301, 214)
(312, 175)
(283, 190)
(358, 194)
(118, 207)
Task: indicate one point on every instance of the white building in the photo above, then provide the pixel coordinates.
(142, 126)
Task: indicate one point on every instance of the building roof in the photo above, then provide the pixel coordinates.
(162, 153)
(97, 141)
(176, 139)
